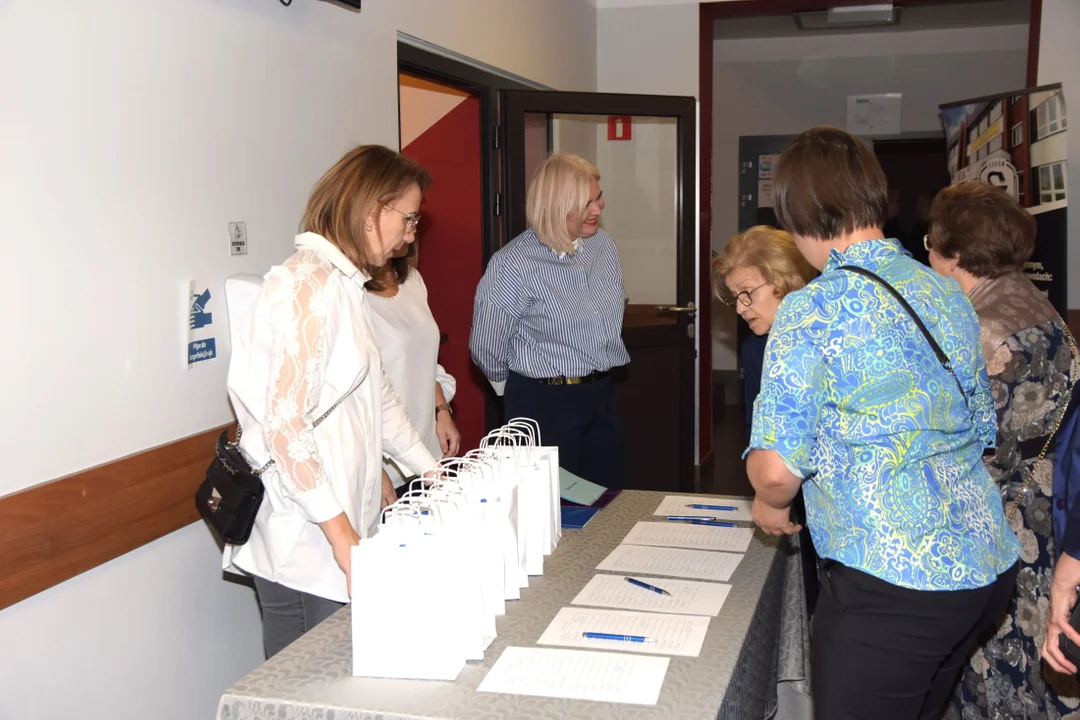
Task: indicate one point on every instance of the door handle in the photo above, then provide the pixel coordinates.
(691, 308)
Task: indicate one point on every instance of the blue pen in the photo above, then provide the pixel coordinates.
(696, 506)
(689, 517)
(714, 523)
(620, 638)
(647, 586)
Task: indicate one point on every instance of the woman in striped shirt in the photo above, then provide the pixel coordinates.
(547, 321)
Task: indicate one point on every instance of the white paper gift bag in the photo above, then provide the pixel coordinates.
(460, 519)
(407, 572)
(513, 446)
(503, 445)
(546, 456)
(504, 491)
(484, 518)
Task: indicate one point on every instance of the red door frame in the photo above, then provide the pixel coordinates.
(709, 13)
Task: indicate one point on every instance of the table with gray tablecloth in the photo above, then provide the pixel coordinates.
(758, 640)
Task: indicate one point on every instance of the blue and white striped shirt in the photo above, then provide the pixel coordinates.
(541, 315)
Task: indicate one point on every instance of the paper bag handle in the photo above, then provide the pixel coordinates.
(532, 425)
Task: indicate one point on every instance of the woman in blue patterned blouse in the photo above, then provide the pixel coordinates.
(884, 429)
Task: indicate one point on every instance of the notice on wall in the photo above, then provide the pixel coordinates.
(869, 115)
(201, 344)
(766, 163)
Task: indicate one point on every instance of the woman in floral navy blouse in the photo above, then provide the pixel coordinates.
(981, 237)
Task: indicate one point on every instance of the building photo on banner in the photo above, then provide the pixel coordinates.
(1017, 141)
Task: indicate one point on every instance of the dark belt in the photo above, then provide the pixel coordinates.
(561, 380)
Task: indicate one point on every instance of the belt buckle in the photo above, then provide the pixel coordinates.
(557, 380)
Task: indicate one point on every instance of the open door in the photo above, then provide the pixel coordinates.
(645, 149)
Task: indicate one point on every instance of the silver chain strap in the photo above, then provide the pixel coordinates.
(264, 468)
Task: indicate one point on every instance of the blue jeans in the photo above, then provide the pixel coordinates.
(287, 614)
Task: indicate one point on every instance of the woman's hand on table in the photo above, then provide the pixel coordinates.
(774, 521)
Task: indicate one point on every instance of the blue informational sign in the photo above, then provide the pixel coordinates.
(200, 316)
(201, 345)
(201, 350)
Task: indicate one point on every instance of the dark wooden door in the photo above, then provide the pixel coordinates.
(645, 149)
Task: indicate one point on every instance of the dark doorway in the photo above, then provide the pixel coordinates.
(916, 170)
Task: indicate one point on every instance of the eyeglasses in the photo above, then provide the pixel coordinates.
(745, 297)
(411, 219)
(926, 242)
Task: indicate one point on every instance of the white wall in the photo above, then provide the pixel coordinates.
(1059, 61)
(782, 86)
(132, 132)
(651, 50)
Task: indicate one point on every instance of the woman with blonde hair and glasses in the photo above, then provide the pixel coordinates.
(547, 321)
(306, 382)
(753, 274)
(755, 271)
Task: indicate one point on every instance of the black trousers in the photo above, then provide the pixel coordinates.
(583, 420)
(883, 652)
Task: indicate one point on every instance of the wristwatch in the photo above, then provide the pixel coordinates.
(446, 407)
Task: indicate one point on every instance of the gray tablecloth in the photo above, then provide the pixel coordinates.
(757, 640)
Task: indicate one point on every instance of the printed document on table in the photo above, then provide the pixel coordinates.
(693, 537)
(688, 597)
(672, 562)
(671, 634)
(577, 675)
(677, 505)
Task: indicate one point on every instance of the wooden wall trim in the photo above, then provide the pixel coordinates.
(52, 532)
(1072, 319)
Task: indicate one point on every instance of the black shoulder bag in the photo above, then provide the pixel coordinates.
(941, 356)
(230, 496)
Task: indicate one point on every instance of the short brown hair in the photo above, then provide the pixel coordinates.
(772, 252)
(983, 227)
(829, 183)
(365, 180)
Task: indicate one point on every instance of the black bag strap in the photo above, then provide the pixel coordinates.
(941, 356)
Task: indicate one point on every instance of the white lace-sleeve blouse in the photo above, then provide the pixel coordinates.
(306, 346)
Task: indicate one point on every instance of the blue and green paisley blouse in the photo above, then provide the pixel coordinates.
(854, 398)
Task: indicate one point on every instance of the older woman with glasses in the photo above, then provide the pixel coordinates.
(753, 274)
(981, 237)
(306, 381)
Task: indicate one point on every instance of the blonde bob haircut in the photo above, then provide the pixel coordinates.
(772, 252)
(559, 190)
(364, 181)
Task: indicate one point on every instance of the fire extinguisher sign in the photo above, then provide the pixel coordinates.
(618, 127)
